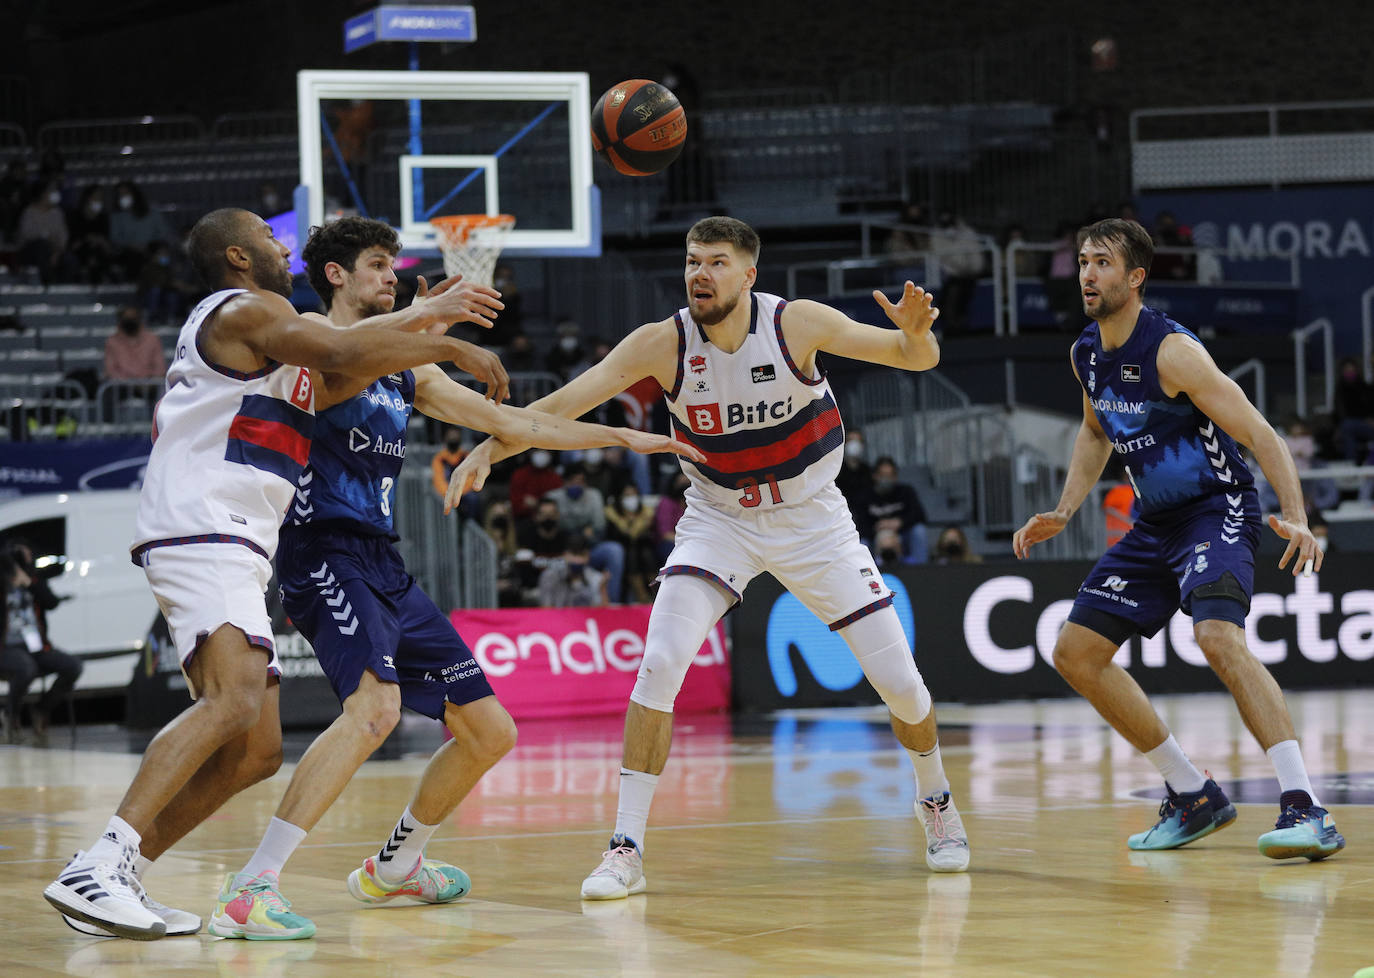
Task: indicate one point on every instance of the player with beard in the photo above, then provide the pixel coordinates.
(231, 436)
(379, 638)
(743, 384)
(1152, 394)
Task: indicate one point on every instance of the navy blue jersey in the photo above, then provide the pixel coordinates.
(359, 445)
(1173, 453)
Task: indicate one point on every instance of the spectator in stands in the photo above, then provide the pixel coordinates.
(520, 356)
(960, 254)
(1167, 265)
(270, 202)
(506, 325)
(1118, 503)
(910, 241)
(894, 506)
(1061, 280)
(1354, 413)
(1302, 445)
(42, 234)
(89, 227)
(568, 352)
(630, 523)
(538, 543)
(582, 513)
(609, 470)
(497, 523)
(165, 286)
(952, 547)
(133, 352)
(570, 581)
(25, 652)
(672, 503)
(14, 195)
(1027, 264)
(855, 478)
(134, 226)
(531, 481)
(441, 466)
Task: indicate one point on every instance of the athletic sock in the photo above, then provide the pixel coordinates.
(1178, 772)
(278, 843)
(399, 855)
(1286, 756)
(118, 836)
(930, 771)
(632, 813)
(141, 866)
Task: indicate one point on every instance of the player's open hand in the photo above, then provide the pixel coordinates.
(1039, 527)
(913, 313)
(649, 444)
(469, 476)
(1300, 541)
(452, 302)
(486, 367)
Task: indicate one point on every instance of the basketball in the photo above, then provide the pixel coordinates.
(638, 127)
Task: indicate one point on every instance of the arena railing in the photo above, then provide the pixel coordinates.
(454, 560)
(1367, 332)
(1326, 330)
(1254, 366)
(78, 134)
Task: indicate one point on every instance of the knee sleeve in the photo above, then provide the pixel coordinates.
(879, 644)
(685, 611)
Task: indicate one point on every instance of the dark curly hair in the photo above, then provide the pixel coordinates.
(342, 241)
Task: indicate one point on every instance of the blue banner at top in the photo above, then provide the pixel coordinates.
(398, 23)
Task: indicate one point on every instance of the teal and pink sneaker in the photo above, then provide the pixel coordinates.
(1185, 817)
(1303, 829)
(429, 882)
(252, 908)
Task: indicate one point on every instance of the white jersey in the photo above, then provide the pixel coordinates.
(772, 436)
(227, 448)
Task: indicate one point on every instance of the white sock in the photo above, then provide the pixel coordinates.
(402, 852)
(141, 865)
(1169, 759)
(277, 845)
(930, 771)
(636, 795)
(1286, 756)
(118, 836)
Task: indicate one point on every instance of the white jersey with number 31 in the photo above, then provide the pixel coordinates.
(772, 436)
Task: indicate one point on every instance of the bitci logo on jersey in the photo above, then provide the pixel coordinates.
(704, 419)
(302, 394)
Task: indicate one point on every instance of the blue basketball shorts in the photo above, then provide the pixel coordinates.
(1199, 557)
(352, 599)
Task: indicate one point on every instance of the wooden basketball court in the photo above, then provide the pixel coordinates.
(777, 847)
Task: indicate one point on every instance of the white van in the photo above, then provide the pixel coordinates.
(111, 610)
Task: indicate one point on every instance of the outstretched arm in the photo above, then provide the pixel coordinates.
(810, 326)
(1186, 367)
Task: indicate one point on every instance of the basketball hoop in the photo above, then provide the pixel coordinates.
(470, 244)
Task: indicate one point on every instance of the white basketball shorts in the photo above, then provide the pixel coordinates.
(811, 547)
(201, 586)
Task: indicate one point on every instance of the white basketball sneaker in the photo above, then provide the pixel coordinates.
(179, 922)
(620, 874)
(103, 895)
(946, 840)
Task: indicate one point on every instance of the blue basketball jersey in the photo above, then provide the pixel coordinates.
(349, 482)
(1174, 454)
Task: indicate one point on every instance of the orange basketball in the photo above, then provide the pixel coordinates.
(638, 127)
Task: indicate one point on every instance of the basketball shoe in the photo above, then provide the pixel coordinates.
(1185, 817)
(179, 922)
(1303, 829)
(106, 896)
(620, 874)
(429, 882)
(252, 908)
(946, 840)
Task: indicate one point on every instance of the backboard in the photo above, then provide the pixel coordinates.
(405, 146)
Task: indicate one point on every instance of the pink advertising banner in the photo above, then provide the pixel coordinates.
(568, 662)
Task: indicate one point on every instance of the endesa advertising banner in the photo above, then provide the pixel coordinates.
(570, 662)
(987, 632)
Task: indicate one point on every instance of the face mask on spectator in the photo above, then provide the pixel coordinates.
(884, 485)
(453, 444)
(55, 197)
(593, 456)
(574, 492)
(576, 567)
(129, 324)
(126, 201)
(854, 449)
(630, 504)
(568, 344)
(95, 206)
(540, 460)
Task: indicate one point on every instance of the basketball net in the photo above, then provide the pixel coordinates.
(471, 243)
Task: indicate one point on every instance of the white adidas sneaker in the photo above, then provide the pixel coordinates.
(946, 840)
(620, 874)
(106, 896)
(179, 923)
